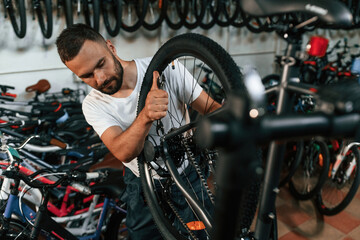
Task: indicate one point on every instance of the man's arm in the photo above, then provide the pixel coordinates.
(128, 144)
(204, 104)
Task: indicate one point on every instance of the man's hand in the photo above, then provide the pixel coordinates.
(156, 104)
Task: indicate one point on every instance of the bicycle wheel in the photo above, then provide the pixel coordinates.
(112, 11)
(92, 9)
(184, 54)
(292, 160)
(338, 191)
(17, 230)
(311, 174)
(44, 8)
(17, 16)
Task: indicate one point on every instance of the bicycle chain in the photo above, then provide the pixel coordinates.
(180, 219)
(198, 170)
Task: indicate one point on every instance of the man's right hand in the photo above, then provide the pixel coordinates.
(156, 104)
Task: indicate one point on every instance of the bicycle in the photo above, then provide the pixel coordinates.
(241, 139)
(82, 224)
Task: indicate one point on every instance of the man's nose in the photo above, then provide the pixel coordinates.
(99, 77)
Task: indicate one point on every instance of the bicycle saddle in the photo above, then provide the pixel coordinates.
(329, 11)
(40, 87)
(113, 186)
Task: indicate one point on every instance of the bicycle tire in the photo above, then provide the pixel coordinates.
(68, 8)
(312, 171)
(114, 225)
(180, 8)
(209, 18)
(138, 10)
(323, 201)
(196, 11)
(17, 14)
(156, 22)
(17, 230)
(227, 13)
(293, 161)
(112, 7)
(95, 23)
(223, 66)
(47, 28)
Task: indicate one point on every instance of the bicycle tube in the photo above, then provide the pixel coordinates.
(16, 14)
(333, 187)
(95, 23)
(47, 28)
(312, 171)
(112, 8)
(226, 73)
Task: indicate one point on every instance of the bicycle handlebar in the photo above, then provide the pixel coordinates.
(340, 117)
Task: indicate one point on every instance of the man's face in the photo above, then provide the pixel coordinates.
(98, 67)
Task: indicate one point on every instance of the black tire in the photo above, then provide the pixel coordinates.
(228, 13)
(291, 161)
(225, 72)
(46, 25)
(17, 230)
(209, 18)
(17, 14)
(68, 8)
(176, 13)
(112, 12)
(195, 13)
(312, 172)
(155, 14)
(116, 229)
(92, 11)
(337, 193)
(133, 14)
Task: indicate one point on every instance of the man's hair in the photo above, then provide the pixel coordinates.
(72, 38)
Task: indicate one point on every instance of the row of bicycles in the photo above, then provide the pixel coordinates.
(150, 14)
(55, 183)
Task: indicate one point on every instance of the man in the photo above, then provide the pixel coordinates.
(111, 109)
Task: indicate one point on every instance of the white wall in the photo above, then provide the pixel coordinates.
(24, 61)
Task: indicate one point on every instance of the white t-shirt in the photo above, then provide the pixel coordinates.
(103, 111)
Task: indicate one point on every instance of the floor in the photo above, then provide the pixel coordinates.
(299, 220)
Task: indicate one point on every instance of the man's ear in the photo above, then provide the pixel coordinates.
(111, 46)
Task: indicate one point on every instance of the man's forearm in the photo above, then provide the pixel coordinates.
(130, 143)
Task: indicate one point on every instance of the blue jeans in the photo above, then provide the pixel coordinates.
(139, 220)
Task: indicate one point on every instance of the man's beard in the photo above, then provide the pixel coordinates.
(118, 79)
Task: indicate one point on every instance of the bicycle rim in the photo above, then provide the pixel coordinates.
(17, 16)
(337, 192)
(44, 14)
(310, 175)
(198, 54)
